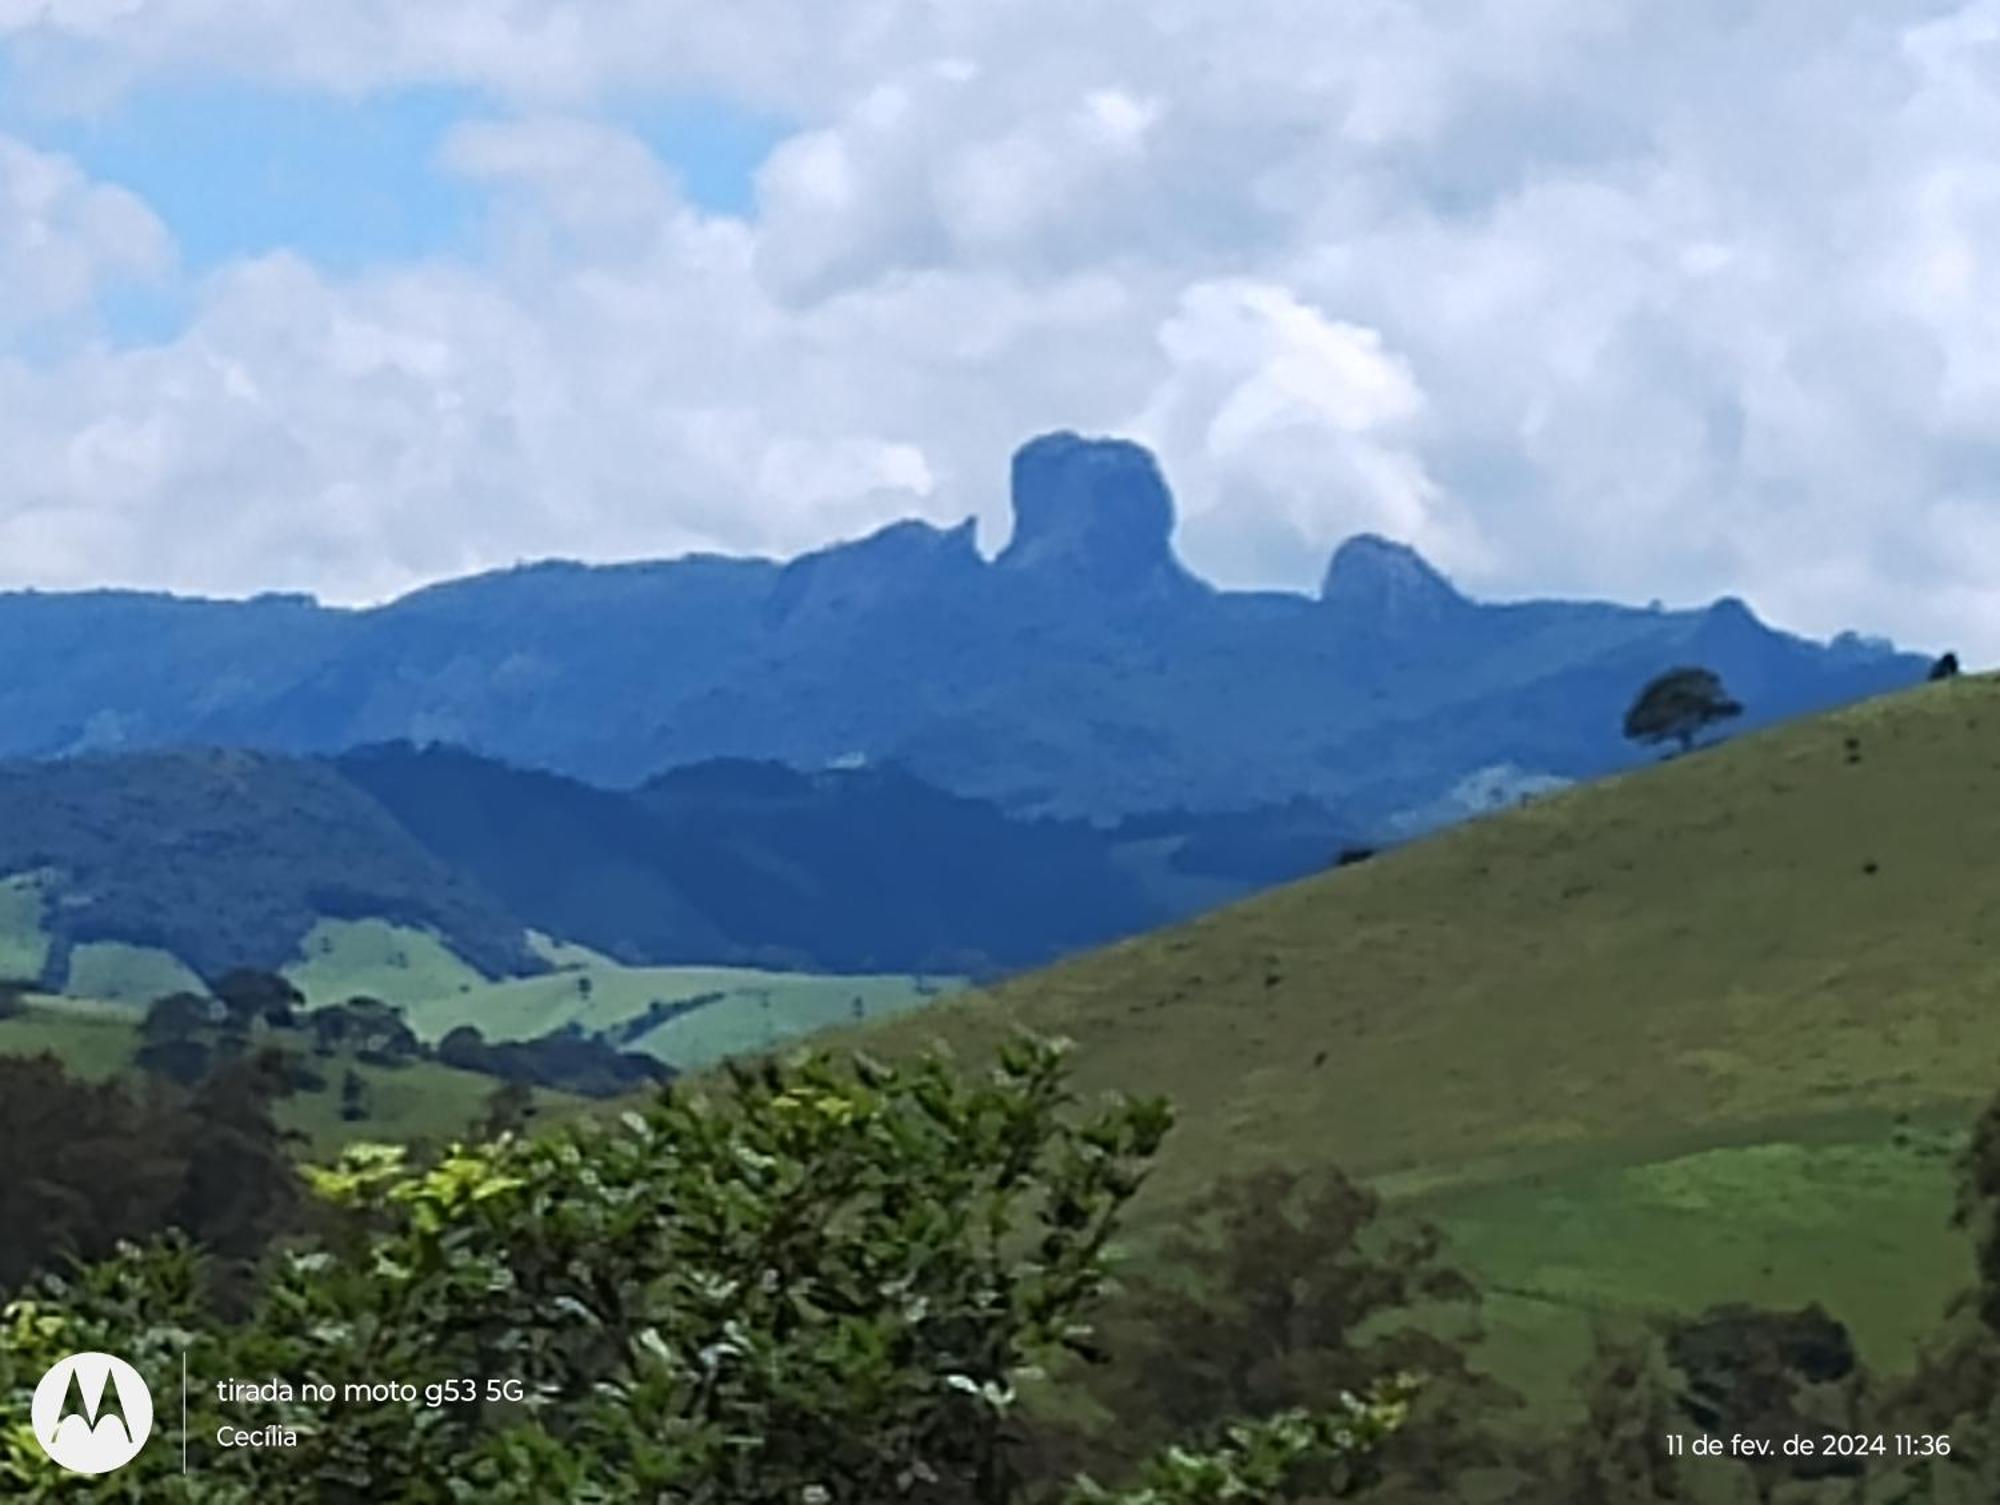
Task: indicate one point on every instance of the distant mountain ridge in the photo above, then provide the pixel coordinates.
(1084, 671)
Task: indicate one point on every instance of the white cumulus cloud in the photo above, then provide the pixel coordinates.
(63, 237)
(1663, 299)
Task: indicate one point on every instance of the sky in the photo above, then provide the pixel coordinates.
(1671, 299)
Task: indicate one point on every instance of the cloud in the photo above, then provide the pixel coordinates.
(543, 52)
(1300, 424)
(1655, 300)
(63, 238)
(608, 381)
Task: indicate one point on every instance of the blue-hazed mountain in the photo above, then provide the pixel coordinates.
(1083, 671)
(228, 858)
(846, 870)
(223, 859)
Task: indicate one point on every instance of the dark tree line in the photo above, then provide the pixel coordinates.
(565, 1060)
(84, 1165)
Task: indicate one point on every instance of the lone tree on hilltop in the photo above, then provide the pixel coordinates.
(1678, 706)
(1946, 667)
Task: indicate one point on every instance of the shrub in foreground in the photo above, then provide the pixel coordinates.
(828, 1286)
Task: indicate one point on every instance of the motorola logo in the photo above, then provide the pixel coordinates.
(92, 1413)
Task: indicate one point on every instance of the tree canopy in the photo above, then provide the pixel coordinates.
(1282, 1286)
(831, 1285)
(86, 1165)
(1679, 705)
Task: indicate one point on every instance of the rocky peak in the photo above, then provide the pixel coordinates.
(1728, 625)
(1376, 582)
(1093, 513)
(905, 558)
(1733, 612)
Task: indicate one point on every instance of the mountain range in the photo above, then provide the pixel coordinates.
(1084, 671)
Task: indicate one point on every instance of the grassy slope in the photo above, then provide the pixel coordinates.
(103, 970)
(342, 959)
(1566, 1032)
(565, 953)
(114, 971)
(438, 991)
(417, 971)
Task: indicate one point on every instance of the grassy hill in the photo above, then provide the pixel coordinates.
(689, 1017)
(115, 972)
(340, 959)
(1705, 1031)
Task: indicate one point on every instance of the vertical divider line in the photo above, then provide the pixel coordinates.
(184, 1411)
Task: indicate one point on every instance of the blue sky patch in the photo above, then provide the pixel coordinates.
(238, 170)
(235, 170)
(713, 148)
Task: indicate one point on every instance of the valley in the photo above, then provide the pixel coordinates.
(1645, 1039)
(1555, 1032)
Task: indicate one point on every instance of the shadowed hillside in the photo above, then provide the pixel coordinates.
(130, 876)
(852, 871)
(222, 859)
(875, 866)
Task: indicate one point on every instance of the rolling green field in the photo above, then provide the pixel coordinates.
(423, 1100)
(742, 1009)
(1859, 1224)
(118, 973)
(565, 953)
(342, 959)
(1702, 1032)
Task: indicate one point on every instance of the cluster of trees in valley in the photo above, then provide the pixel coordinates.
(186, 1036)
(855, 1283)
